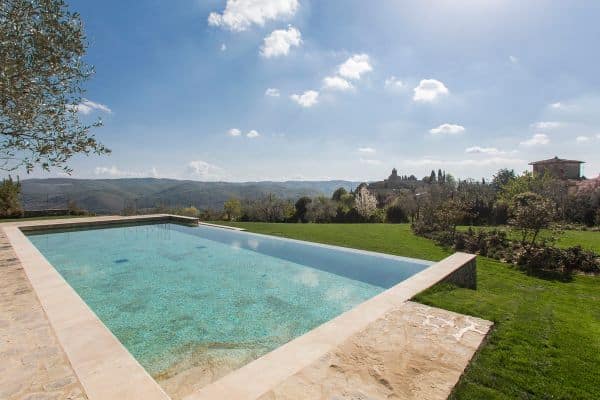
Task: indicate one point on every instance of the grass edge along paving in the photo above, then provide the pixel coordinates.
(546, 339)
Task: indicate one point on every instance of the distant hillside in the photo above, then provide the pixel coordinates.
(106, 196)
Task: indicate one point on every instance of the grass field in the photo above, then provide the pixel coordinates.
(546, 339)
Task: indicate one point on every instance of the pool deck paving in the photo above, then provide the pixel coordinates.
(413, 352)
(33, 365)
(52, 346)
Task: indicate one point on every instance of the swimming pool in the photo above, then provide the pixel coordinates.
(209, 299)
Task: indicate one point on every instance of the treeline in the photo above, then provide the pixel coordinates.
(473, 202)
(358, 205)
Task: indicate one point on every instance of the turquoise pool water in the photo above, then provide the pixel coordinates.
(179, 297)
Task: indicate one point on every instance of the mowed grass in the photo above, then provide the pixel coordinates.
(546, 340)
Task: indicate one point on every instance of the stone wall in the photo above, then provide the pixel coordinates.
(466, 276)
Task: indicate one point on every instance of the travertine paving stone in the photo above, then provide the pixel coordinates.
(413, 352)
(32, 363)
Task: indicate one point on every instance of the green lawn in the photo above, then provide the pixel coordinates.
(546, 339)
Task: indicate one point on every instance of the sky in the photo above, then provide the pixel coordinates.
(249, 90)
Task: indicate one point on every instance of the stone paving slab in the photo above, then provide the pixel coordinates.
(413, 352)
(32, 363)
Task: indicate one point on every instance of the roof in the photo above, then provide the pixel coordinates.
(556, 160)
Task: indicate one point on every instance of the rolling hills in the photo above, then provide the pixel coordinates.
(109, 196)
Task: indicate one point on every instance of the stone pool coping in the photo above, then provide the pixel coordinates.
(107, 370)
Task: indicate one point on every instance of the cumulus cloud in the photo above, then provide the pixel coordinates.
(429, 90)
(306, 99)
(239, 15)
(355, 66)
(370, 161)
(336, 83)
(279, 42)
(203, 170)
(483, 150)
(87, 106)
(366, 150)
(547, 125)
(447, 129)
(272, 92)
(537, 139)
(253, 134)
(234, 132)
(582, 139)
(393, 83)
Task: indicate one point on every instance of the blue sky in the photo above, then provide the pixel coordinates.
(306, 89)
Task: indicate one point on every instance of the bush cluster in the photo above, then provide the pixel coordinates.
(538, 257)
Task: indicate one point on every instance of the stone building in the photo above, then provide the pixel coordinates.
(558, 167)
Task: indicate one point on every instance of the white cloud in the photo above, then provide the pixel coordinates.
(537, 139)
(367, 150)
(234, 132)
(110, 171)
(464, 163)
(223, 47)
(547, 125)
(447, 129)
(336, 83)
(483, 150)
(115, 172)
(203, 170)
(279, 42)
(253, 134)
(393, 83)
(272, 92)
(306, 99)
(582, 139)
(558, 106)
(430, 90)
(87, 106)
(355, 66)
(369, 161)
(598, 136)
(239, 15)
(513, 59)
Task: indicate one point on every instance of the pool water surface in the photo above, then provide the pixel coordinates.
(182, 297)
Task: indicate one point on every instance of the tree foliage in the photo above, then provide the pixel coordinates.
(232, 209)
(42, 71)
(530, 213)
(365, 202)
(10, 203)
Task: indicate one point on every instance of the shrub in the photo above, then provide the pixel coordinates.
(530, 213)
(10, 203)
(189, 211)
(395, 214)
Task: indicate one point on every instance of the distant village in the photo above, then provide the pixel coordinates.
(559, 168)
